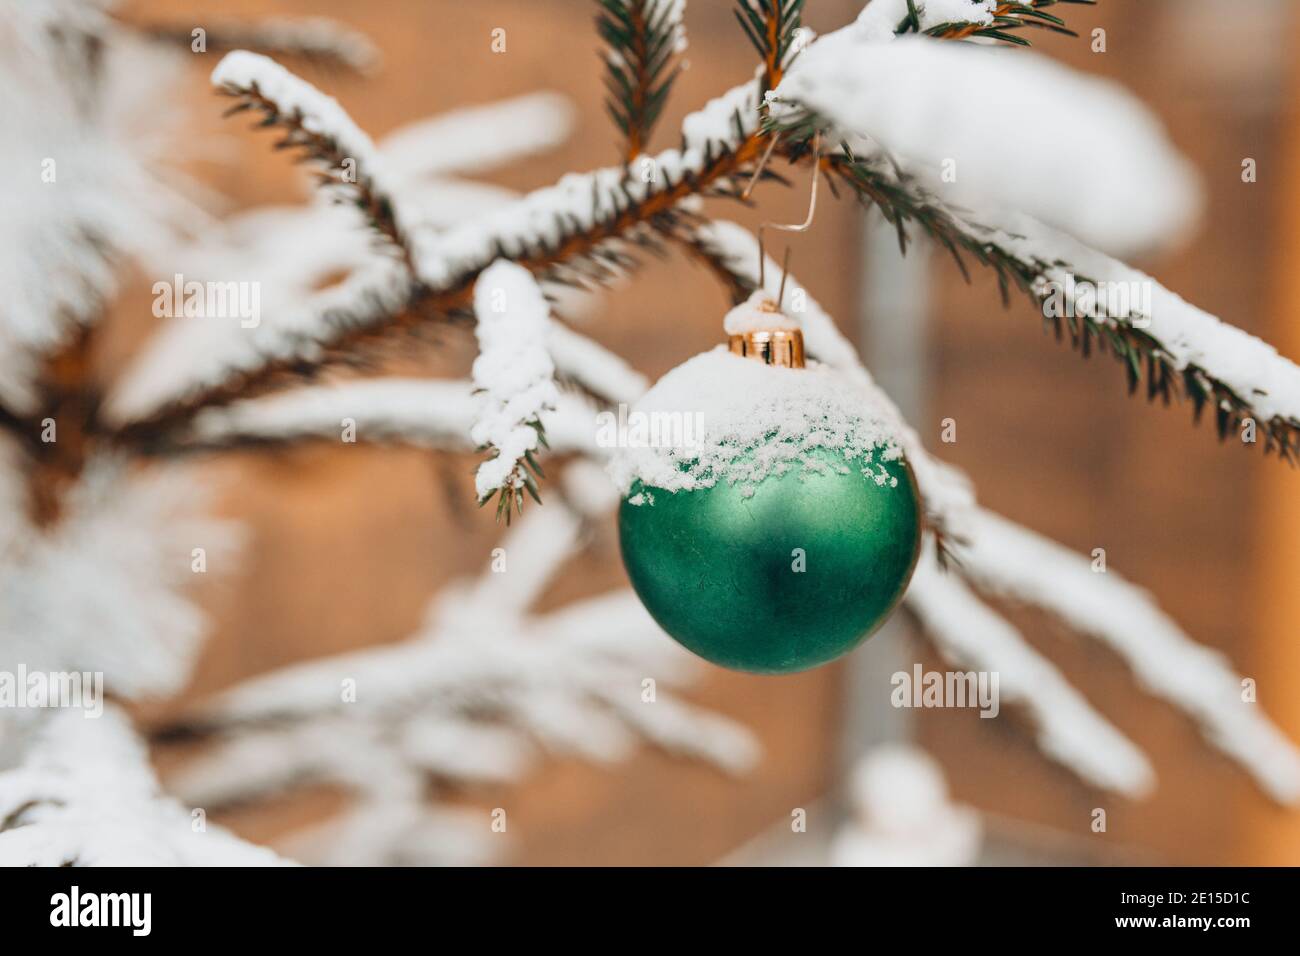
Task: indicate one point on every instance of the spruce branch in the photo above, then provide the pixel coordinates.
(1007, 17)
(772, 27)
(1146, 359)
(580, 254)
(642, 40)
(320, 134)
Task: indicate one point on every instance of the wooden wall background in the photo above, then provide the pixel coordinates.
(348, 543)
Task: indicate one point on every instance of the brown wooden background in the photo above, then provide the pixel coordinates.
(347, 543)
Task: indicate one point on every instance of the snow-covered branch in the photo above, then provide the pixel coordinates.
(85, 795)
(318, 126)
(477, 696)
(515, 379)
(1123, 189)
(1013, 562)
(1013, 195)
(102, 590)
(972, 635)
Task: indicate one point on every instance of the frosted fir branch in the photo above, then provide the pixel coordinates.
(1178, 350)
(643, 39)
(318, 127)
(291, 251)
(1070, 731)
(515, 378)
(85, 795)
(479, 695)
(595, 220)
(1125, 190)
(129, 545)
(1013, 562)
(90, 127)
(581, 231)
(318, 41)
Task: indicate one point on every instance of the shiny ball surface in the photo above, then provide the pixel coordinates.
(792, 576)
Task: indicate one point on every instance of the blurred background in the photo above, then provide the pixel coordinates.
(347, 542)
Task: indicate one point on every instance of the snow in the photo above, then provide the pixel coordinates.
(476, 138)
(595, 367)
(192, 354)
(1191, 336)
(1109, 175)
(430, 413)
(1070, 731)
(758, 313)
(902, 814)
(481, 692)
(241, 71)
(513, 371)
(86, 796)
(579, 200)
(102, 589)
(1016, 563)
(80, 194)
(757, 420)
(320, 114)
(945, 491)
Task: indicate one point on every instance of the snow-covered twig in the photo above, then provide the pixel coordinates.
(101, 590)
(515, 378)
(1070, 731)
(319, 126)
(1124, 190)
(928, 173)
(85, 795)
(1013, 562)
(470, 698)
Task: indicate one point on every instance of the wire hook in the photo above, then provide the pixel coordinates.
(784, 227)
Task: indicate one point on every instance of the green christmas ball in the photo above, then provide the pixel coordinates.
(778, 576)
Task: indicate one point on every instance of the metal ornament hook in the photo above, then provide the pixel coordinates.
(784, 227)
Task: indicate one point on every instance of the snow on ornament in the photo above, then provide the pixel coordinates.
(785, 531)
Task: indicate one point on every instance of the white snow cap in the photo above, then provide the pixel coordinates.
(756, 314)
(746, 421)
(993, 129)
(513, 370)
(903, 816)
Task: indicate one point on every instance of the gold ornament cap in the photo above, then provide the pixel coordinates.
(759, 330)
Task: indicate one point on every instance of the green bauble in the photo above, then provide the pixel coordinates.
(790, 577)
